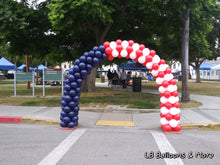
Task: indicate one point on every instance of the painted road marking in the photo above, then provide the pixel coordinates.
(115, 123)
(165, 146)
(57, 153)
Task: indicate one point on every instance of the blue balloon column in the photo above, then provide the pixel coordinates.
(71, 95)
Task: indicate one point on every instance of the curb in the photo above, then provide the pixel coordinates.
(27, 120)
(201, 126)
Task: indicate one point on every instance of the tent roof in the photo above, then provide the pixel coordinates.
(41, 67)
(6, 65)
(131, 65)
(205, 66)
(216, 67)
(22, 67)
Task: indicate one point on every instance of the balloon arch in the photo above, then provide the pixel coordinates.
(169, 111)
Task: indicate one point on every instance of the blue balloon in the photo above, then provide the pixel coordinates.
(72, 104)
(77, 75)
(79, 82)
(102, 48)
(76, 98)
(72, 93)
(86, 54)
(95, 61)
(83, 72)
(76, 113)
(67, 98)
(78, 90)
(67, 87)
(77, 61)
(75, 118)
(73, 85)
(76, 109)
(67, 109)
(62, 124)
(71, 71)
(71, 114)
(61, 118)
(82, 65)
(65, 92)
(76, 68)
(63, 96)
(89, 60)
(91, 53)
(63, 114)
(104, 56)
(71, 78)
(71, 125)
(98, 54)
(67, 81)
(66, 120)
(63, 103)
(95, 48)
(89, 67)
(76, 123)
(82, 59)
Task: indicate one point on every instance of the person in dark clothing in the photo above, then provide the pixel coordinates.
(110, 77)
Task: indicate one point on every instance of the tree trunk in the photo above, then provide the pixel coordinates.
(27, 70)
(198, 79)
(185, 58)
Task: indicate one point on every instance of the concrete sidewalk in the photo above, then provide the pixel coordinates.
(205, 117)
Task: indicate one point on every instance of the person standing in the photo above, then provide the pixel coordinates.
(123, 78)
(128, 77)
(110, 77)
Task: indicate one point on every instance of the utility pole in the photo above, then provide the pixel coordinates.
(185, 57)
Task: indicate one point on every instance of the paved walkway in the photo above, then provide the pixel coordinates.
(208, 115)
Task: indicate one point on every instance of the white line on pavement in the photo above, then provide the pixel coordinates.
(165, 146)
(54, 156)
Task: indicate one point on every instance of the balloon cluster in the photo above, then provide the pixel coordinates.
(71, 95)
(169, 111)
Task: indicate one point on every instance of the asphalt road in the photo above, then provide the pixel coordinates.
(23, 144)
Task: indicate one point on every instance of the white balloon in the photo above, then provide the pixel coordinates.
(174, 111)
(154, 73)
(124, 53)
(162, 89)
(133, 55)
(115, 53)
(172, 99)
(113, 45)
(135, 46)
(164, 110)
(163, 100)
(124, 44)
(175, 87)
(168, 77)
(159, 80)
(149, 65)
(146, 52)
(142, 59)
(163, 121)
(173, 123)
(177, 99)
(162, 67)
(156, 59)
(171, 88)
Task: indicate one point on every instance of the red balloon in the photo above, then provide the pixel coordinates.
(141, 46)
(144, 64)
(167, 128)
(127, 57)
(161, 74)
(173, 82)
(161, 94)
(118, 42)
(106, 44)
(139, 53)
(119, 55)
(175, 93)
(168, 71)
(129, 49)
(130, 42)
(176, 105)
(176, 117)
(152, 53)
(162, 105)
(110, 58)
(177, 128)
(119, 48)
(158, 85)
(165, 83)
(162, 61)
(136, 59)
(108, 51)
(167, 94)
(162, 115)
(155, 66)
(168, 116)
(149, 58)
(168, 105)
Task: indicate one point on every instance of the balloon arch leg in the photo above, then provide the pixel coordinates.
(169, 111)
